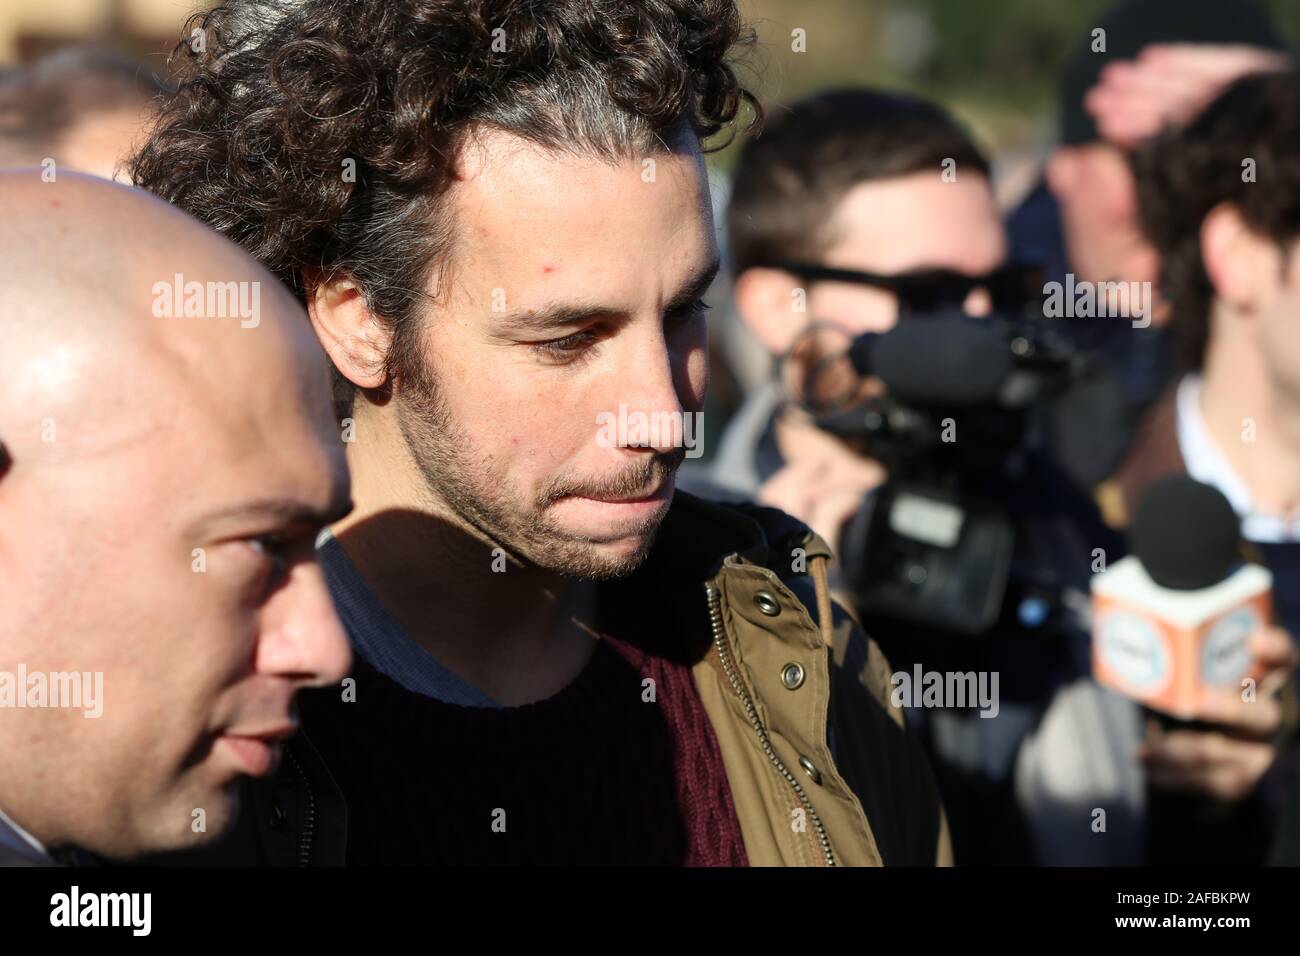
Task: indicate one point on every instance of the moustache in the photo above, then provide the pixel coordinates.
(639, 477)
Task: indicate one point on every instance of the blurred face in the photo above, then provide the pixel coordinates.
(902, 225)
(1099, 214)
(101, 143)
(575, 294)
(158, 537)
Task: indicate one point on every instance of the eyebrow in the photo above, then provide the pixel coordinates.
(558, 316)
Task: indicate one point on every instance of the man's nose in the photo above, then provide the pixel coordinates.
(302, 637)
(647, 384)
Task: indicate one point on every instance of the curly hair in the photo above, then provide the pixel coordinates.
(320, 134)
(1184, 173)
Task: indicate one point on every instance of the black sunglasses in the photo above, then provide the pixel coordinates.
(1012, 288)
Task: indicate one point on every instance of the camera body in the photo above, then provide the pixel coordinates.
(935, 544)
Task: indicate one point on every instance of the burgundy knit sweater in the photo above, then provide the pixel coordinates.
(592, 775)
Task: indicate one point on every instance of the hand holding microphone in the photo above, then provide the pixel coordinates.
(1183, 626)
(1172, 622)
(1225, 762)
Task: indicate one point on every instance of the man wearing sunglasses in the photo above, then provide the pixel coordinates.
(854, 211)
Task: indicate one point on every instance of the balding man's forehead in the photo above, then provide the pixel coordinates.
(204, 450)
(130, 237)
(88, 260)
(116, 322)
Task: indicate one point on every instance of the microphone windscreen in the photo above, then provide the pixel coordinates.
(943, 360)
(1186, 534)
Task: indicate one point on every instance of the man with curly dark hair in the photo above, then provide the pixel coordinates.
(497, 214)
(1220, 201)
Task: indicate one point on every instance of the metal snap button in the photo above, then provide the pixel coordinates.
(278, 817)
(810, 770)
(792, 676)
(767, 604)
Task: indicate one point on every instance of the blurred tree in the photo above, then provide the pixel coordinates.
(994, 63)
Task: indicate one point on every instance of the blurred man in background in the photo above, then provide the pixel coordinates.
(889, 190)
(846, 179)
(1147, 64)
(162, 480)
(85, 108)
(1220, 201)
(854, 181)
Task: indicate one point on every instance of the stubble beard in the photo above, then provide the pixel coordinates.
(474, 488)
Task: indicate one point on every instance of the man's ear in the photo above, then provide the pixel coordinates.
(1236, 259)
(353, 337)
(771, 303)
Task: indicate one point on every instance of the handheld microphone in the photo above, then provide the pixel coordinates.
(1171, 622)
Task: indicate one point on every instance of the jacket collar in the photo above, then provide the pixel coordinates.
(18, 847)
(702, 534)
(699, 541)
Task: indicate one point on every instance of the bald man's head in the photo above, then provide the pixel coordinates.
(170, 461)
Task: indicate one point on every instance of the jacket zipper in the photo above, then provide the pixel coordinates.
(309, 814)
(719, 641)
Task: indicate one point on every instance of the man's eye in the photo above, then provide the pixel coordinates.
(274, 543)
(275, 547)
(568, 347)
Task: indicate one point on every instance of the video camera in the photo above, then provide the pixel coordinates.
(947, 403)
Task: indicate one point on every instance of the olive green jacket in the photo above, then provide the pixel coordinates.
(821, 769)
